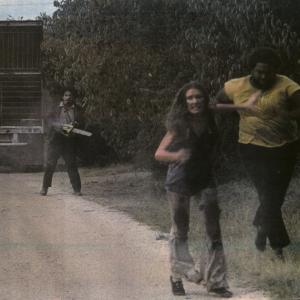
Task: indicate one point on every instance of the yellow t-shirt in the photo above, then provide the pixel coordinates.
(266, 128)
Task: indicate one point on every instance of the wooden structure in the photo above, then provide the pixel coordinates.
(21, 123)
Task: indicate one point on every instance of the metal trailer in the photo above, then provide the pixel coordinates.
(21, 122)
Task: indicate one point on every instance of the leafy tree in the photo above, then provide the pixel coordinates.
(127, 58)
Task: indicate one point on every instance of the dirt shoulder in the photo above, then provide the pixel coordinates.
(66, 247)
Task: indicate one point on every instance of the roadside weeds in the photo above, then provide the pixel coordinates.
(135, 192)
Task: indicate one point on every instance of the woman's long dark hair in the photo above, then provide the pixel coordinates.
(177, 118)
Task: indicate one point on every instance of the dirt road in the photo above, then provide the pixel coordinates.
(64, 247)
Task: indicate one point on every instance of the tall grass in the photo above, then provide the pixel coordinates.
(142, 197)
(239, 202)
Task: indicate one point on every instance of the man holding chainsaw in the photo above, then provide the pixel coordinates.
(64, 124)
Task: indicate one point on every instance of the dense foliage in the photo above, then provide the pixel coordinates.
(128, 58)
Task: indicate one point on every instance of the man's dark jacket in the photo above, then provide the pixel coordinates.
(53, 123)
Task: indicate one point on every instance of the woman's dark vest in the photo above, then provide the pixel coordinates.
(196, 173)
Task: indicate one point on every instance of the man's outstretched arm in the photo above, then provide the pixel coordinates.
(224, 103)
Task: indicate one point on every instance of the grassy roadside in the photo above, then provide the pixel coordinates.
(143, 198)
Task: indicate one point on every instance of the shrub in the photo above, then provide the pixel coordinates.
(126, 59)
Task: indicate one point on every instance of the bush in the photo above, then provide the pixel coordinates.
(126, 59)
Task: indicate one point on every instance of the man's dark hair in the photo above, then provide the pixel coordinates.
(69, 89)
(264, 55)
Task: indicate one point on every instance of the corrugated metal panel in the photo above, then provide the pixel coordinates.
(20, 47)
(20, 93)
(20, 99)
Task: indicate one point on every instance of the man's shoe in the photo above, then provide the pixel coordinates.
(77, 193)
(279, 254)
(177, 287)
(261, 239)
(222, 292)
(44, 191)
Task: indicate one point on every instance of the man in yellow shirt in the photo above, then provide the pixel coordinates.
(268, 134)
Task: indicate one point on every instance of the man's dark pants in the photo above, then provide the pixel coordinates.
(270, 170)
(65, 147)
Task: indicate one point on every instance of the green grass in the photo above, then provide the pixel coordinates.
(143, 198)
(263, 270)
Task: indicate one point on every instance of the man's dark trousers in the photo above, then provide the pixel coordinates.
(65, 147)
(270, 169)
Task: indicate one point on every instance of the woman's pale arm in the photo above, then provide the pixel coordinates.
(162, 154)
